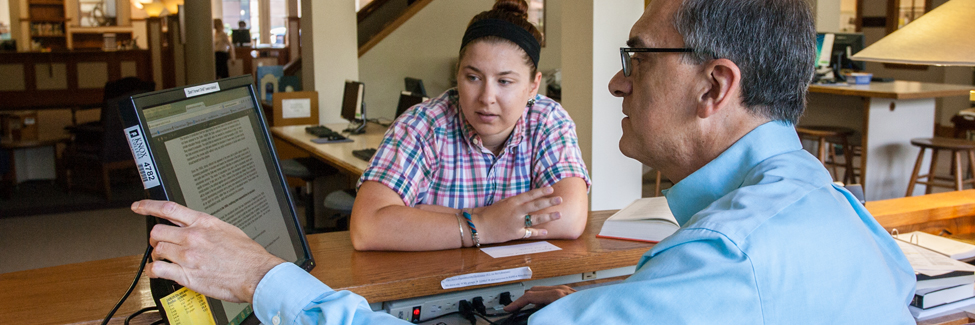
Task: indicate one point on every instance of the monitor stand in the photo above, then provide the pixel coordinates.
(360, 128)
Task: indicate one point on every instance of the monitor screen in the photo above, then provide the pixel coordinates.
(415, 86)
(213, 153)
(824, 48)
(846, 45)
(407, 100)
(352, 101)
(241, 36)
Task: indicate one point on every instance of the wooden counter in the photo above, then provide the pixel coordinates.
(897, 89)
(85, 292)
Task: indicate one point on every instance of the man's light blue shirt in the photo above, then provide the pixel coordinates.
(765, 238)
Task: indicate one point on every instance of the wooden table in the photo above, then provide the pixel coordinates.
(85, 292)
(888, 115)
(339, 155)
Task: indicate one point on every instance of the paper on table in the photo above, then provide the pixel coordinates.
(296, 108)
(520, 249)
(930, 263)
(473, 279)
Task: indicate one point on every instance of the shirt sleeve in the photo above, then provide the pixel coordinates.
(289, 295)
(557, 155)
(403, 161)
(703, 281)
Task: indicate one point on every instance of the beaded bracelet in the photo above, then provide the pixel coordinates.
(470, 223)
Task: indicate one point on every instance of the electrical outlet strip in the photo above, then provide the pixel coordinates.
(424, 308)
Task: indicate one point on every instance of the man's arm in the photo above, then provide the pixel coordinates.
(218, 260)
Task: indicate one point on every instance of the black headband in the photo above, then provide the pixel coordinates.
(505, 30)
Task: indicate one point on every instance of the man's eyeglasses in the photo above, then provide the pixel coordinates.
(625, 54)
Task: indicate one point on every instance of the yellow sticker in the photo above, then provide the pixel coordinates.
(185, 306)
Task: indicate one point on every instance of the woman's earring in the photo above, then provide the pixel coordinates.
(531, 102)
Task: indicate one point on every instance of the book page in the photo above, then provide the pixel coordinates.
(646, 209)
(220, 171)
(952, 248)
(930, 263)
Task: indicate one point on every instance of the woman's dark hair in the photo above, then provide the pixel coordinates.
(515, 12)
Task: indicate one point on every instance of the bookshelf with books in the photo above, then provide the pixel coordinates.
(48, 24)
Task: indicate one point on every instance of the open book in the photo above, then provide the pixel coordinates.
(946, 246)
(646, 219)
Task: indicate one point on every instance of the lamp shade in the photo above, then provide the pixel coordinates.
(943, 36)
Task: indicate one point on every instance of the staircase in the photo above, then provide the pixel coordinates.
(380, 18)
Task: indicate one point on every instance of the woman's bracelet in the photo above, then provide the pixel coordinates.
(460, 226)
(470, 224)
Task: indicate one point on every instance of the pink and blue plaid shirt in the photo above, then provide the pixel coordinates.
(432, 155)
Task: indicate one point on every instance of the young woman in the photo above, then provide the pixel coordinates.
(487, 162)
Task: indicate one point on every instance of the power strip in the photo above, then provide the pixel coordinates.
(424, 308)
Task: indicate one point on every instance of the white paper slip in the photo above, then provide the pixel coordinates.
(520, 249)
(473, 279)
(930, 263)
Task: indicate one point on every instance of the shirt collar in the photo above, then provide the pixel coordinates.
(727, 172)
(474, 140)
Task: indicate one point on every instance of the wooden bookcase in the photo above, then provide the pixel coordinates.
(48, 25)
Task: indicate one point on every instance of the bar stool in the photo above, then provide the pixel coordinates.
(957, 146)
(827, 137)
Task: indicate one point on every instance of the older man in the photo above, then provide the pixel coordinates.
(711, 89)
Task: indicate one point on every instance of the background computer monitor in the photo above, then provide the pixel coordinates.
(846, 45)
(407, 100)
(352, 106)
(241, 36)
(415, 86)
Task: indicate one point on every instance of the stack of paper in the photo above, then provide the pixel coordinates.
(943, 284)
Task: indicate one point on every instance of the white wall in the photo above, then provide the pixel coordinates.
(590, 59)
(5, 13)
(426, 47)
(329, 51)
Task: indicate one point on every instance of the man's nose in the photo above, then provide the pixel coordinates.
(620, 86)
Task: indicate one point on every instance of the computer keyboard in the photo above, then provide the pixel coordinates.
(364, 154)
(320, 131)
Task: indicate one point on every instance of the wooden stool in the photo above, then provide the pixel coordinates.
(826, 136)
(956, 146)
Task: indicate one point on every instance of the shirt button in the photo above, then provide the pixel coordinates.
(276, 320)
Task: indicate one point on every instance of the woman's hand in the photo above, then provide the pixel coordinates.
(505, 220)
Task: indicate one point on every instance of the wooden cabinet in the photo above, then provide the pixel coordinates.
(48, 25)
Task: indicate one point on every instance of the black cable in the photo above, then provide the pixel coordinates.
(142, 265)
(140, 312)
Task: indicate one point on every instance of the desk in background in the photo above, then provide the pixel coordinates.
(888, 115)
(339, 155)
(85, 292)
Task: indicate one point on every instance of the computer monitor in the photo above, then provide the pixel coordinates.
(415, 86)
(845, 45)
(353, 109)
(824, 48)
(407, 100)
(241, 36)
(208, 147)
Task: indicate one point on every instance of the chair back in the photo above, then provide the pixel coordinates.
(114, 145)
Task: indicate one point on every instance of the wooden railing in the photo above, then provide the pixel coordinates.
(380, 18)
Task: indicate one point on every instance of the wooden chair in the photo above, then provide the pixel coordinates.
(957, 146)
(829, 136)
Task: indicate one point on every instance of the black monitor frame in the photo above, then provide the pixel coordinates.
(407, 100)
(415, 86)
(240, 36)
(132, 113)
(840, 56)
(353, 99)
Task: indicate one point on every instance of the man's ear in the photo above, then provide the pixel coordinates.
(723, 87)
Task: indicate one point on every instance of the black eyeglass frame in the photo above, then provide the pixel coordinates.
(625, 54)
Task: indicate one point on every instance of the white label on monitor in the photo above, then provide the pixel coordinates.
(201, 90)
(140, 151)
